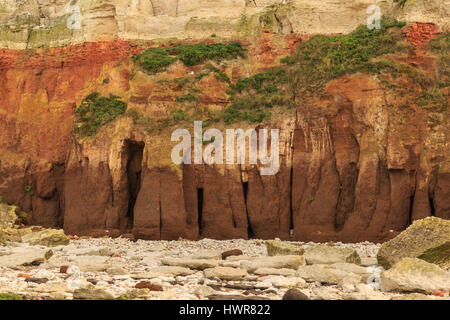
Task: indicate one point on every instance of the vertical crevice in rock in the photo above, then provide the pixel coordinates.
(413, 195)
(431, 189)
(160, 211)
(245, 193)
(291, 218)
(134, 169)
(60, 170)
(431, 200)
(279, 23)
(199, 209)
(230, 205)
(245, 189)
(411, 204)
(29, 31)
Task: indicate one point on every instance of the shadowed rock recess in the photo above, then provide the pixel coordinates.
(86, 117)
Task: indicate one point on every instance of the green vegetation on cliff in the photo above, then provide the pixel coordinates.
(253, 97)
(303, 74)
(431, 96)
(190, 97)
(322, 58)
(95, 111)
(440, 46)
(156, 60)
(314, 63)
(401, 2)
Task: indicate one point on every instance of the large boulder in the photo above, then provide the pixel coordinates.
(323, 254)
(415, 275)
(47, 237)
(14, 234)
(281, 248)
(421, 236)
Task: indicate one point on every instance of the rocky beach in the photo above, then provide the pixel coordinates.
(37, 263)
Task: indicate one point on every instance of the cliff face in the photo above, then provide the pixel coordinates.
(41, 23)
(359, 161)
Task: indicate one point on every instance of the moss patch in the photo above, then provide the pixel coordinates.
(422, 235)
(440, 46)
(322, 58)
(252, 98)
(156, 60)
(95, 111)
(312, 66)
(433, 99)
(439, 255)
(305, 73)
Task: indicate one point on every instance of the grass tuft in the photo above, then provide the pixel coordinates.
(95, 111)
(156, 60)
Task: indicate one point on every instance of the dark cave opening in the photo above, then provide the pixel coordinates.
(411, 208)
(134, 169)
(432, 209)
(245, 188)
(199, 209)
